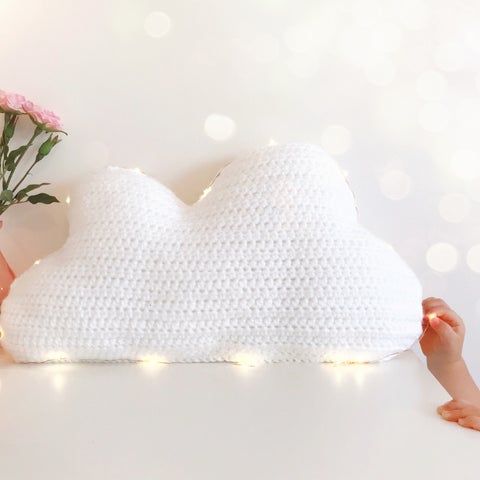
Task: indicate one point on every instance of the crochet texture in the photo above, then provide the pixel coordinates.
(272, 263)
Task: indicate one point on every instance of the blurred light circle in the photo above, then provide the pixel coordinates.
(413, 14)
(386, 37)
(431, 85)
(450, 56)
(465, 164)
(265, 48)
(473, 258)
(454, 207)
(442, 257)
(219, 127)
(395, 184)
(298, 38)
(380, 72)
(433, 117)
(335, 139)
(157, 24)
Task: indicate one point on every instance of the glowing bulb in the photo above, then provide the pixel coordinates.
(272, 142)
(67, 200)
(136, 170)
(473, 258)
(157, 24)
(246, 359)
(152, 362)
(431, 316)
(57, 357)
(219, 127)
(395, 184)
(335, 139)
(2, 334)
(442, 257)
(37, 262)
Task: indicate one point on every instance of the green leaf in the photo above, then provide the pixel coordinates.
(12, 157)
(9, 130)
(6, 196)
(42, 198)
(23, 192)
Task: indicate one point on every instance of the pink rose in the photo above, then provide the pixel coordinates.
(45, 118)
(11, 102)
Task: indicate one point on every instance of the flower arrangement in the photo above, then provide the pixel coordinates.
(14, 169)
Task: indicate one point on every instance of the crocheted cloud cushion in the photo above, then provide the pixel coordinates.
(271, 263)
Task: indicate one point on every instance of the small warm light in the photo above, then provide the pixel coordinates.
(442, 257)
(37, 262)
(473, 258)
(433, 117)
(219, 127)
(157, 24)
(395, 184)
(431, 316)
(335, 139)
(136, 170)
(67, 200)
(2, 334)
(205, 193)
(245, 359)
(152, 362)
(272, 142)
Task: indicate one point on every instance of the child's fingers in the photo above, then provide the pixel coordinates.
(433, 302)
(452, 405)
(446, 314)
(442, 329)
(455, 415)
(470, 422)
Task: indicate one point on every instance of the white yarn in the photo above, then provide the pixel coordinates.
(271, 263)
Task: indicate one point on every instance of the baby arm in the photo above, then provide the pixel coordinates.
(442, 344)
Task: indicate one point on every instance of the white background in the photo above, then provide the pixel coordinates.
(392, 89)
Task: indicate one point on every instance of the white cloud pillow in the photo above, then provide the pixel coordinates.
(271, 263)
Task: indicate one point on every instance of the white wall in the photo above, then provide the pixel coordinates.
(401, 78)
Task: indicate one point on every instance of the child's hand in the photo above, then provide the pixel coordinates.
(443, 333)
(465, 414)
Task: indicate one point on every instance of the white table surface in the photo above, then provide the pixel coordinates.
(223, 421)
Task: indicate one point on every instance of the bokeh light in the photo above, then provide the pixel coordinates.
(473, 258)
(219, 127)
(442, 257)
(386, 37)
(157, 24)
(431, 85)
(433, 117)
(395, 184)
(336, 139)
(454, 207)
